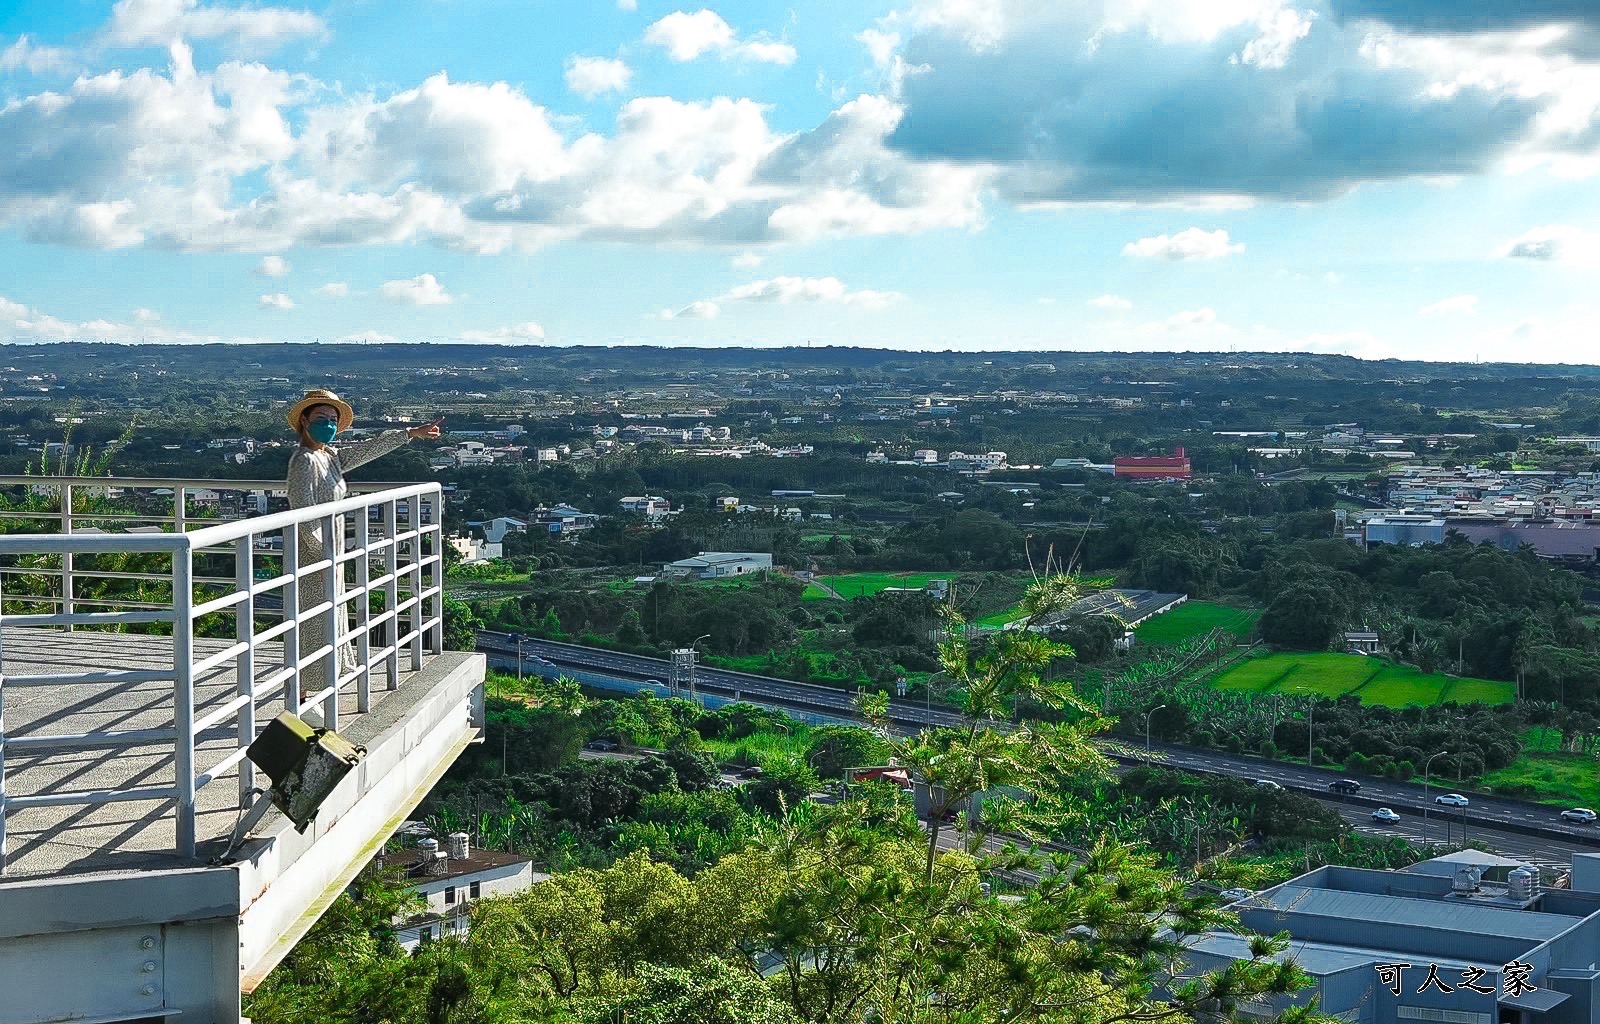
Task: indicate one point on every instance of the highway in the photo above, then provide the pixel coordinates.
(1513, 827)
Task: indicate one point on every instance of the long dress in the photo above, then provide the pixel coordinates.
(316, 476)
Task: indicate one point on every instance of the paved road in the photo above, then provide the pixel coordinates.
(1485, 812)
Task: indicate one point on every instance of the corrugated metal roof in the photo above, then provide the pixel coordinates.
(1464, 918)
(1321, 959)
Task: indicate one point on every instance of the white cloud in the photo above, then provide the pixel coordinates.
(704, 309)
(333, 290)
(881, 45)
(1191, 319)
(1556, 243)
(146, 316)
(591, 76)
(688, 37)
(1189, 244)
(422, 290)
(523, 332)
(160, 22)
(273, 266)
(747, 260)
(1113, 303)
(1464, 304)
(26, 55)
(1280, 31)
(277, 300)
(810, 289)
(627, 5)
(18, 322)
(366, 338)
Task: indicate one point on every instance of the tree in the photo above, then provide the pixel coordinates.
(1304, 616)
(837, 747)
(461, 624)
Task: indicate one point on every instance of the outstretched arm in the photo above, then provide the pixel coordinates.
(357, 453)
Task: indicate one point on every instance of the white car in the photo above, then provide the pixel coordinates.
(1452, 800)
(1385, 814)
(1579, 816)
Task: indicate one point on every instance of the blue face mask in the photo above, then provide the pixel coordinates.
(322, 431)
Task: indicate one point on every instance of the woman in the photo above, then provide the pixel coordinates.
(316, 476)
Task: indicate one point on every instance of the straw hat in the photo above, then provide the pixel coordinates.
(321, 396)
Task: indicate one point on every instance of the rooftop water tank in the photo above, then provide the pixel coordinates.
(459, 846)
(1524, 882)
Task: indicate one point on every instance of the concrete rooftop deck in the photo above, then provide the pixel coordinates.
(133, 835)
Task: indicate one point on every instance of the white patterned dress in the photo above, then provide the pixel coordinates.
(316, 477)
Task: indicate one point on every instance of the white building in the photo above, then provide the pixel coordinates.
(648, 505)
(450, 879)
(711, 565)
(926, 456)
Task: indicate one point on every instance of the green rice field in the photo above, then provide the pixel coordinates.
(1197, 618)
(1374, 680)
(866, 584)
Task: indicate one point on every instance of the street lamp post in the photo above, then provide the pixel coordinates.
(519, 662)
(1147, 715)
(1311, 749)
(1426, 769)
(692, 694)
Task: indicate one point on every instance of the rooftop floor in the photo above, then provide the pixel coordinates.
(132, 835)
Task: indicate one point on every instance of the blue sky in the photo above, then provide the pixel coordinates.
(1411, 178)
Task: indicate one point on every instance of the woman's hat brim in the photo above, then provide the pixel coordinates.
(313, 399)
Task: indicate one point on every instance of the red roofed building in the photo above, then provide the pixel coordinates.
(1159, 467)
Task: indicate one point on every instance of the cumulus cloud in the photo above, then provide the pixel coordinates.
(1190, 319)
(333, 290)
(688, 37)
(146, 316)
(273, 266)
(704, 309)
(366, 338)
(1190, 244)
(160, 22)
(523, 332)
(810, 289)
(591, 76)
(1462, 304)
(19, 322)
(422, 290)
(1556, 243)
(276, 300)
(1097, 101)
(628, 5)
(747, 260)
(26, 55)
(1112, 303)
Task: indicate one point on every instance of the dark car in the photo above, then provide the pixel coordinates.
(752, 772)
(604, 746)
(1344, 786)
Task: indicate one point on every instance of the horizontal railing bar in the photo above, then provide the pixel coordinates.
(214, 660)
(139, 483)
(224, 532)
(217, 604)
(94, 543)
(88, 618)
(116, 675)
(221, 714)
(89, 740)
(272, 632)
(90, 796)
(220, 768)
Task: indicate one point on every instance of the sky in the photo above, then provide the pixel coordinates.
(1416, 179)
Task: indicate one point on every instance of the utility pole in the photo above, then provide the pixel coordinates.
(1311, 750)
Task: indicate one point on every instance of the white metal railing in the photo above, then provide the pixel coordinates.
(189, 576)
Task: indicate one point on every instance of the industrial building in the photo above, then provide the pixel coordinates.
(1159, 467)
(712, 565)
(1466, 938)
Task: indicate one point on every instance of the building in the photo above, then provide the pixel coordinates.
(1159, 467)
(450, 880)
(712, 565)
(648, 506)
(1411, 530)
(1468, 938)
(496, 529)
(1362, 643)
(564, 521)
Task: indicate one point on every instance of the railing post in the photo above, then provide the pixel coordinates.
(66, 556)
(391, 593)
(436, 533)
(291, 615)
(332, 542)
(244, 667)
(183, 695)
(364, 612)
(180, 508)
(414, 569)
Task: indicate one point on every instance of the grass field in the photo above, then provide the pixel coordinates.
(1197, 618)
(1548, 774)
(866, 584)
(1374, 680)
